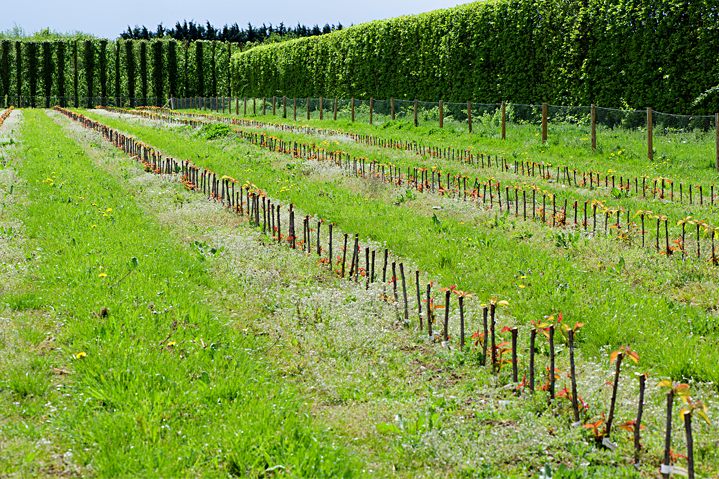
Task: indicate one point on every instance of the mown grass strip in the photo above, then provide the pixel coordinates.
(159, 383)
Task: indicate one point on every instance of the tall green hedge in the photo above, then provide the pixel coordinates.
(143, 71)
(48, 67)
(18, 70)
(172, 70)
(4, 68)
(88, 51)
(60, 62)
(614, 53)
(102, 59)
(158, 70)
(66, 72)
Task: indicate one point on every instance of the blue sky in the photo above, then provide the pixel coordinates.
(109, 18)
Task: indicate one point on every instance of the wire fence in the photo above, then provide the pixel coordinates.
(487, 119)
(80, 102)
(476, 114)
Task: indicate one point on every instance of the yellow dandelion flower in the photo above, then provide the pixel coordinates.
(80, 355)
(102, 275)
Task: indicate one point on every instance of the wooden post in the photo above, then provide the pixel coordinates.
(668, 435)
(441, 114)
(415, 113)
(545, 110)
(650, 134)
(445, 331)
(391, 103)
(321, 108)
(353, 109)
(573, 376)
(254, 106)
(284, 107)
(469, 115)
(615, 389)
(308, 108)
(504, 122)
(638, 421)
(551, 363)
(594, 127)
(371, 107)
(461, 322)
(335, 109)
(716, 126)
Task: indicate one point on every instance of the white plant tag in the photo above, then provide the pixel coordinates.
(666, 469)
(608, 444)
(680, 471)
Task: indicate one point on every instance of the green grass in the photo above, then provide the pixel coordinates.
(594, 281)
(479, 429)
(166, 385)
(689, 154)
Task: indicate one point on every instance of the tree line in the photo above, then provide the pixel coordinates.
(191, 31)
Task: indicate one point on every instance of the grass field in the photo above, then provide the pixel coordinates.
(148, 331)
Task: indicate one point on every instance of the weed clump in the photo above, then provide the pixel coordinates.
(214, 131)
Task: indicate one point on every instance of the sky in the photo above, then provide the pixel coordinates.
(109, 18)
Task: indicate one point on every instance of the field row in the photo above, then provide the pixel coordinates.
(524, 200)
(498, 351)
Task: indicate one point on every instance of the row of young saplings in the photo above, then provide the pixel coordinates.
(424, 179)
(5, 115)
(265, 214)
(662, 188)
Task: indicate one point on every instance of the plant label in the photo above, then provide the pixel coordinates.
(608, 444)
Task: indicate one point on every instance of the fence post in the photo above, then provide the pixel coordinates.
(545, 110)
(335, 109)
(469, 115)
(716, 126)
(321, 108)
(353, 109)
(284, 106)
(295, 110)
(371, 107)
(594, 127)
(308, 108)
(254, 106)
(245, 108)
(650, 134)
(391, 102)
(504, 122)
(415, 113)
(441, 114)
(237, 106)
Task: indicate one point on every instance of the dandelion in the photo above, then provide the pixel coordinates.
(170, 344)
(80, 355)
(102, 275)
